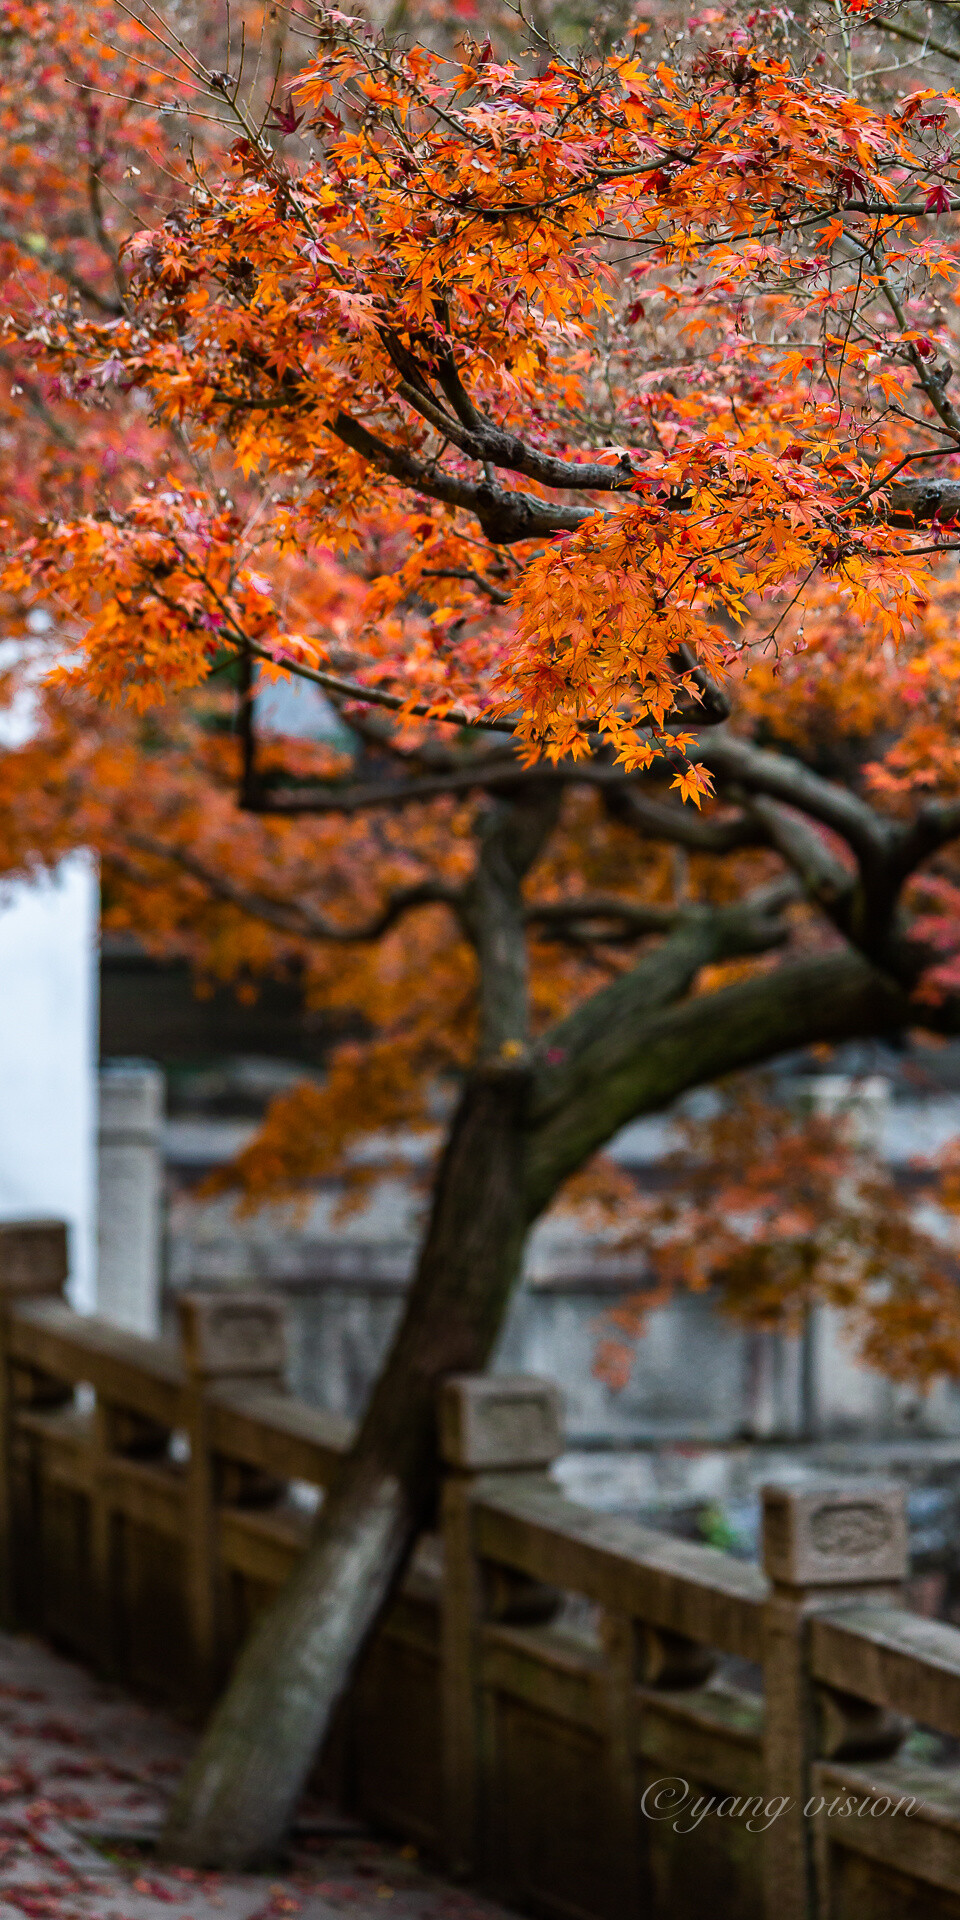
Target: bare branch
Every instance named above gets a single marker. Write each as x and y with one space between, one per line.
631 920
511 836
40 252
924 40
489 444
297 919
375 730
923 502
37 403
682 826
479 580
492 771
825 878
714 705
936 823
375 696
583 1054
868 834
502 773
505 517
638 1051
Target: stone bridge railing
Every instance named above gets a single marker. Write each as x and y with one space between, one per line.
588 1717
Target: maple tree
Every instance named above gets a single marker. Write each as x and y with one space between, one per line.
581 425
781 1207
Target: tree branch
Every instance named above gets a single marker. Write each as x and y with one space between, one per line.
505 517
373 696
500 773
580 1050
825 879
682 826
36 401
511 837
492 772
375 730
45 255
924 40
935 824
301 921
491 445
919 503
634 921
714 705
643 1059
867 833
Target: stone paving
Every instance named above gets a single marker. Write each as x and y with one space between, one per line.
85 1773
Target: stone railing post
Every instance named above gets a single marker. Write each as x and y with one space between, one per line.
129 1180
488 1425
226 1338
823 1545
33 1262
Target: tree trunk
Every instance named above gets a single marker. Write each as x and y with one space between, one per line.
239 1794
521 1128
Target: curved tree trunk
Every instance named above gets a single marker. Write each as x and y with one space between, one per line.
518 1132
239 1794
237 1798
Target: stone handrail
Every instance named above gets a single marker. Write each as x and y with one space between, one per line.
892 1658
587 1716
673 1584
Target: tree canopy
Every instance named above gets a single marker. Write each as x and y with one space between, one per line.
581 424
678 294
582 398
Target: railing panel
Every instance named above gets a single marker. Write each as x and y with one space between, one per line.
709 1735
865 1889
149 1497
894 1659
150 1637
548 1815
269 1430
394 1752
887 1864
539 1670
263 1547
120 1366
65 1441
63 1599
695 1591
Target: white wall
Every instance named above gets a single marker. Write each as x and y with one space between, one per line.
48 1045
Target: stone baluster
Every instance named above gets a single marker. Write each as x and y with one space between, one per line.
488 1425
823 1546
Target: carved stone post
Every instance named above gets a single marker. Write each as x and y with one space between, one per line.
130 1177
822 1545
489 1425
33 1262
225 1337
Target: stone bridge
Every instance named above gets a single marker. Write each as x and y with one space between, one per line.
588 1718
